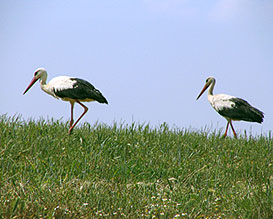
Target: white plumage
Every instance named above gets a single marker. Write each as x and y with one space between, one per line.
221 101
59 83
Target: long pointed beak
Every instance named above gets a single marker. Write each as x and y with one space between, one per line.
31 84
202 91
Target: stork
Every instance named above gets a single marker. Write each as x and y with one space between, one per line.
230 107
70 89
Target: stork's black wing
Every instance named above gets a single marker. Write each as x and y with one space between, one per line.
242 110
81 90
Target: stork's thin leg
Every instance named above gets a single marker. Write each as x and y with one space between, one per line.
225 135
72 120
85 111
233 130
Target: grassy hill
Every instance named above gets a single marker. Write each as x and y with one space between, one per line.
131 171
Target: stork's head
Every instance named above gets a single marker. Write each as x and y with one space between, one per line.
209 81
41 74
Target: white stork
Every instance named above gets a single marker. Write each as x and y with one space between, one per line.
70 89
230 107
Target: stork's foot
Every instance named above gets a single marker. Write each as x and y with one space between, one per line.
224 136
70 130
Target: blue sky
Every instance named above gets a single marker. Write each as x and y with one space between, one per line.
150 58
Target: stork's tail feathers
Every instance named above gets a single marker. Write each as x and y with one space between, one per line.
256 115
99 97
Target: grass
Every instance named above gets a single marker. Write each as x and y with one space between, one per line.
131 171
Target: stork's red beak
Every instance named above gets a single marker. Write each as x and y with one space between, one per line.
203 90
31 84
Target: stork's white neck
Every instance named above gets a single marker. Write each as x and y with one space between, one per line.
43 82
210 91
43 78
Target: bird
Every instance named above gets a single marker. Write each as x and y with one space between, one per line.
230 107
73 90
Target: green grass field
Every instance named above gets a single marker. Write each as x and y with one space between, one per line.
131 171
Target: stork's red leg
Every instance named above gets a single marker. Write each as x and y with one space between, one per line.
85 111
225 135
72 120
233 130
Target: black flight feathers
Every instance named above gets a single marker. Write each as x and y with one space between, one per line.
242 110
81 90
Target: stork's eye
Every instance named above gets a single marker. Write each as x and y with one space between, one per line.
35 74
